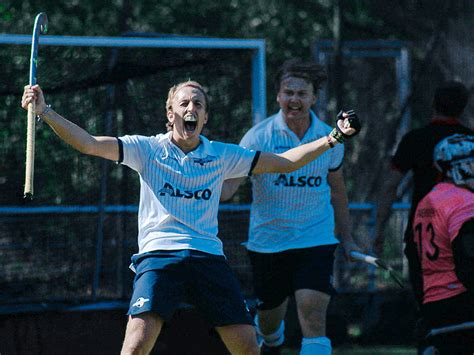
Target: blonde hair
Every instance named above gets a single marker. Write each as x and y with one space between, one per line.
172 93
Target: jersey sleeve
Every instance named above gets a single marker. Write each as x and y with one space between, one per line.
135 151
250 140
239 161
337 157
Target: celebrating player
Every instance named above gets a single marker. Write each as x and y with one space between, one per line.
443 232
292 239
180 259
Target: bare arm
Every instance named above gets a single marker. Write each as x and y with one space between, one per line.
347 125
384 207
72 134
292 159
342 217
229 188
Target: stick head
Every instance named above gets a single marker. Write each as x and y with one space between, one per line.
41 22
391 272
378 263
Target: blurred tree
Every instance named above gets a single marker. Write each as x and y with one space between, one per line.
441 46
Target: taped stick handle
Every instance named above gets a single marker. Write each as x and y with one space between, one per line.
40 27
364 258
30 151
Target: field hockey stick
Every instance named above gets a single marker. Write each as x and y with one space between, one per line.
450 329
40 27
377 263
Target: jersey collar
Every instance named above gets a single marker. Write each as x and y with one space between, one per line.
204 149
281 124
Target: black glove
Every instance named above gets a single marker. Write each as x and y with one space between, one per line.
354 123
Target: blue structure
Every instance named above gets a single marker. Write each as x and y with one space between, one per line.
256 45
398 50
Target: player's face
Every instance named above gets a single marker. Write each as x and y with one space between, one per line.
296 96
188 115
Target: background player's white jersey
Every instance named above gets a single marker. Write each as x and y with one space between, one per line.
291 210
179 193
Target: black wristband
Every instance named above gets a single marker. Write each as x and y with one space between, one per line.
337 134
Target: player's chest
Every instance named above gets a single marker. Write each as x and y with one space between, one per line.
189 166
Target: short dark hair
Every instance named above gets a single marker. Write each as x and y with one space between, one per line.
451 98
310 71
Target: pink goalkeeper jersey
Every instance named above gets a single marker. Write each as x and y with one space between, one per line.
438 218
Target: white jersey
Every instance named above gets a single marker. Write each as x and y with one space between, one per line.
179 193
293 210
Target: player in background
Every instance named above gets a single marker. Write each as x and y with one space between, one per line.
180 258
443 233
293 216
415 153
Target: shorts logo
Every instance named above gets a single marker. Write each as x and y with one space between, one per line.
170 190
140 302
311 181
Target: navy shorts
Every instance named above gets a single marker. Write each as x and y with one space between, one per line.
278 275
166 280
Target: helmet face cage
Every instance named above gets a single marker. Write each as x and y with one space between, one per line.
454 157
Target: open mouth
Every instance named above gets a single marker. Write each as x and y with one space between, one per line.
190 123
294 108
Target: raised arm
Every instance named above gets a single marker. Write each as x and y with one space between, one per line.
347 125
72 134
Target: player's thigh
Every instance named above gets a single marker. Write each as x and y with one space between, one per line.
142 331
160 283
239 338
157 291
216 292
272 280
314 269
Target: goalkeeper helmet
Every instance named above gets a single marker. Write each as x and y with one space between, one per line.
454 157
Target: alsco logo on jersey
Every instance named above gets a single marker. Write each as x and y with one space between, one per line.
170 190
301 181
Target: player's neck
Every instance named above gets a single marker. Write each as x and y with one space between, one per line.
299 126
185 145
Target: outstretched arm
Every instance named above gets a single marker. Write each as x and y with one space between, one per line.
72 134
347 125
